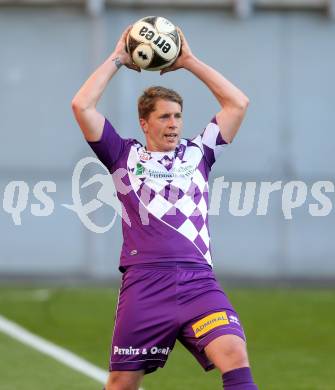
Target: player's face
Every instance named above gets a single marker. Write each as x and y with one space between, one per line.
163 126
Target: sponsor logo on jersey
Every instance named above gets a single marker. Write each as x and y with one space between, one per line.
183 171
126 351
157 350
234 319
141 351
210 322
139 169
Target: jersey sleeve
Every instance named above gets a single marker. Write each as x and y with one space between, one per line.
210 142
110 147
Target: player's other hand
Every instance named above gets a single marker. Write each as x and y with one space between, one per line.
185 55
121 51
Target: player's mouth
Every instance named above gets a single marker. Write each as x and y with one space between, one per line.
171 136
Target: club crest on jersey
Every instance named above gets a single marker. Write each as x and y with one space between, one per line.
144 156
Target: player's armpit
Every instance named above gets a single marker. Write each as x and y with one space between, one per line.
229 120
90 121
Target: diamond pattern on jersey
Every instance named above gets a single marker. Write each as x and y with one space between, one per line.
207 136
174 218
147 194
159 206
172 193
175 188
188 230
199 242
210 142
167 162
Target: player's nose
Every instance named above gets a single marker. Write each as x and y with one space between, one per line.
172 122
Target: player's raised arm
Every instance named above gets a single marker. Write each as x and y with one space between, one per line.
233 102
85 101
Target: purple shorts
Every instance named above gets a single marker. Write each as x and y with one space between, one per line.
161 303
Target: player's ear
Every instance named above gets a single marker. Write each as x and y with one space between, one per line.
144 125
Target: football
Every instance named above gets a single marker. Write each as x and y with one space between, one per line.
153 43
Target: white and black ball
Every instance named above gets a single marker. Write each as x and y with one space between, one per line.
153 43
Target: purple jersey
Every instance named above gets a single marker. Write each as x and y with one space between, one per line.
164 195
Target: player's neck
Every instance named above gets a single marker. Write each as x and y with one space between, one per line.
157 150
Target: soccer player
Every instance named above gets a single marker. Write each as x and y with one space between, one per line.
168 289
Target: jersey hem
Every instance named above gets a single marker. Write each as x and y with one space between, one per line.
123 266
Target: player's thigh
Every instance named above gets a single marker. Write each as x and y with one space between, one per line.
124 380
227 352
145 327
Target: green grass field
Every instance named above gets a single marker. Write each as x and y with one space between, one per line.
290 334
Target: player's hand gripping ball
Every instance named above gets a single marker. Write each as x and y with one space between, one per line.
153 43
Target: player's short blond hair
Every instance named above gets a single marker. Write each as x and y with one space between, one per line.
147 101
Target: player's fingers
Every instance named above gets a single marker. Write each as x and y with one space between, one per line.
133 67
165 70
182 37
168 69
130 67
123 35
180 51
126 31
